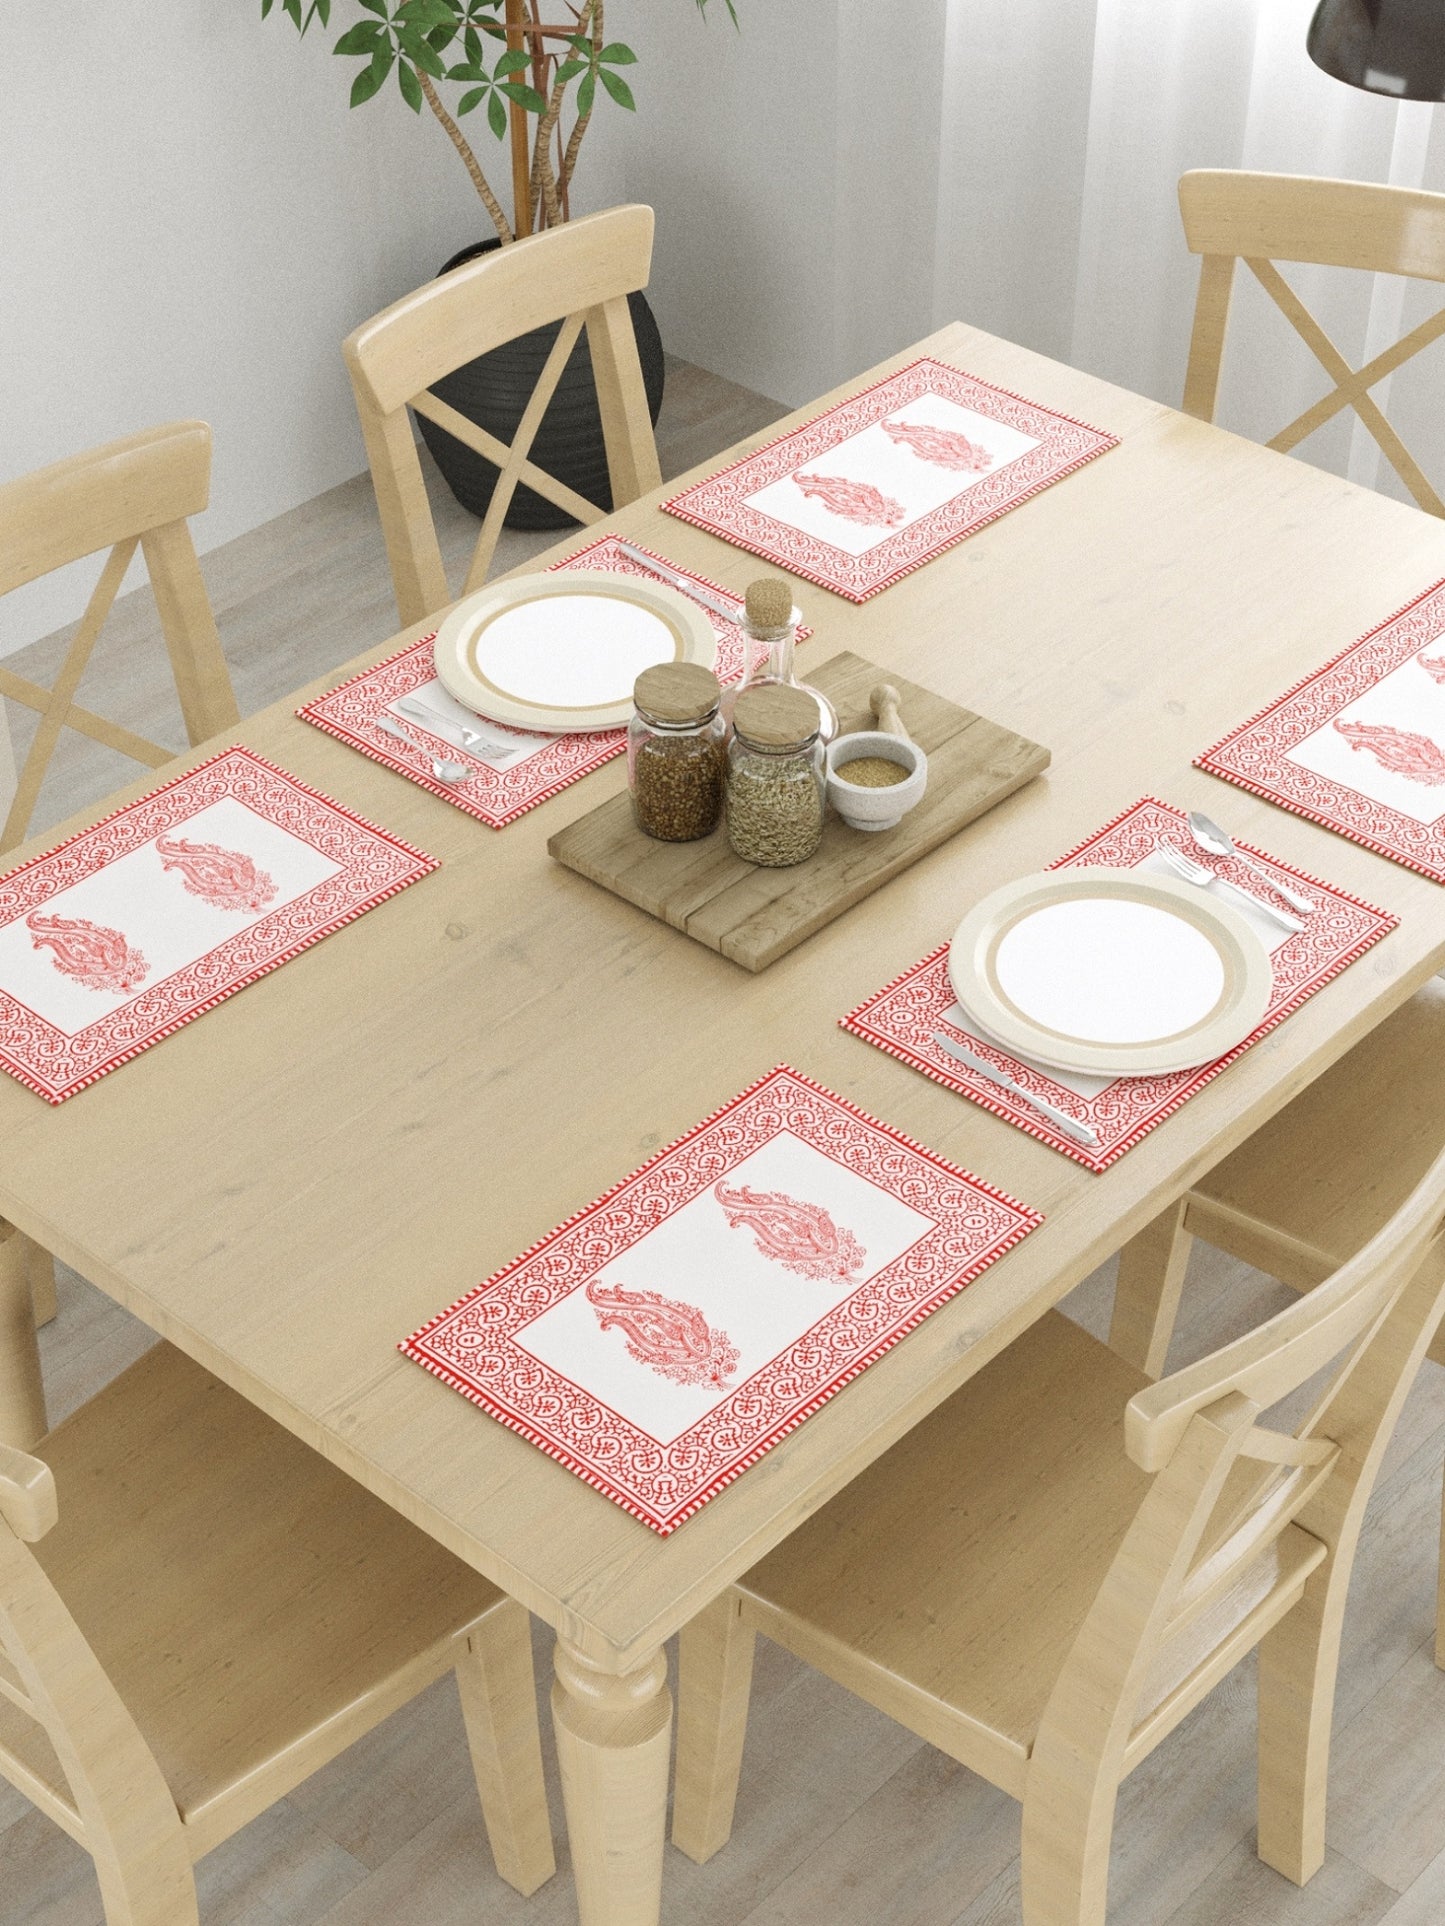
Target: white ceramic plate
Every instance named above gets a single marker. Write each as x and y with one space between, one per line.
1110 972
560 653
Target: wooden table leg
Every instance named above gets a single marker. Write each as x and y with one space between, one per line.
22 1395
614 1740
42 1282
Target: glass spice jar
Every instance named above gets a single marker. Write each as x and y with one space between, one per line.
775 781
677 752
770 634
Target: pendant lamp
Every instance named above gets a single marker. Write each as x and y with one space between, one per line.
1394 47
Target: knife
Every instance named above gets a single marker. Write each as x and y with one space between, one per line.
1081 1133
460 735
729 610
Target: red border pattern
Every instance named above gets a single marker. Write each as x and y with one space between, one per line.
902 1017
472 1345
718 503
373 866
1255 756
497 797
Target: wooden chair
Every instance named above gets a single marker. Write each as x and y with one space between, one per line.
217 1613
579 274
1048 1573
135 493
1264 218
1308 1190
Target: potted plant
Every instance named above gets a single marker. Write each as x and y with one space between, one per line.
536 84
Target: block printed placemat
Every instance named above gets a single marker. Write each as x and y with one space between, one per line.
903 1017
114 939
499 790
888 479
1359 746
664 1338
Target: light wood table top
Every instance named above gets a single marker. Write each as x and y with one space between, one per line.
291 1184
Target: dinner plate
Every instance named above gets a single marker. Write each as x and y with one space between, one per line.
560 652
1111 972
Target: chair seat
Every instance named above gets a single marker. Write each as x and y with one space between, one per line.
1313 1186
949 1582
241 1592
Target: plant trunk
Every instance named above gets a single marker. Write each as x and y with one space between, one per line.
469 159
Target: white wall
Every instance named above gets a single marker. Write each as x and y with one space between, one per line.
191 219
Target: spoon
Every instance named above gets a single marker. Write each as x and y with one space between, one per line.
1212 839
443 768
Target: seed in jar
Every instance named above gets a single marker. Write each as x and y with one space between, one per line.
871 772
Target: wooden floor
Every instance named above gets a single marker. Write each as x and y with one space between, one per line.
844 1819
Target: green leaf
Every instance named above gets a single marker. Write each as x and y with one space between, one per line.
586 94
527 97
410 86
472 41
318 10
469 100
369 80
513 62
265 7
427 13
440 37
419 50
467 71
293 7
617 87
496 116
616 55
364 38
374 6
569 70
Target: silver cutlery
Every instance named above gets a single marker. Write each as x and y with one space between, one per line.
441 766
1189 871
1081 1133
724 606
1216 842
460 735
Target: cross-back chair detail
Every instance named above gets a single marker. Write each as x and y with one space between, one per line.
263 1612
131 494
1229 1533
1264 218
581 275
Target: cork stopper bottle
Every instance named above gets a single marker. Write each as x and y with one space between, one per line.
770 625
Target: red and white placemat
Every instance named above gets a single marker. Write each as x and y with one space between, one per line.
660 1341
903 1017
499 789
888 479
1359 746
114 939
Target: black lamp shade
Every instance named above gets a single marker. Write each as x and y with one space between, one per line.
1394 47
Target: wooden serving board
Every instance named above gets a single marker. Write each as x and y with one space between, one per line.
754 916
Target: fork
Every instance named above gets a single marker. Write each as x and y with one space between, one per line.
460 734
1191 872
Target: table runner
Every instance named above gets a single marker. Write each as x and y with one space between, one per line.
885 481
902 1017
497 792
117 937
664 1338
1359 746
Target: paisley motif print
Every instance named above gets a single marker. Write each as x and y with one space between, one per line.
671 1338
98 957
855 501
944 447
1420 758
225 878
1435 667
801 1237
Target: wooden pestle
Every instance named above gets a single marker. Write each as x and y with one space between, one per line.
884 702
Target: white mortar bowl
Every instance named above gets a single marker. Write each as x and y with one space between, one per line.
873 809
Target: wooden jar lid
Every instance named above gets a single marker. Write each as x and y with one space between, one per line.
769 603
677 692
776 717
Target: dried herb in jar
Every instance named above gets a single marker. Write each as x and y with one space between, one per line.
775 781
676 752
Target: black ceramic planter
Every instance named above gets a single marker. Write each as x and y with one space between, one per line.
493 391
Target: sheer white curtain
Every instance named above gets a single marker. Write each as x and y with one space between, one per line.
1064 129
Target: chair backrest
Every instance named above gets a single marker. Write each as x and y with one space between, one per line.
58 1709
128 494
579 274
1264 218
1210 1555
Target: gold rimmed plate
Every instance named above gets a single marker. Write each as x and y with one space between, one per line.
560 652
1110 972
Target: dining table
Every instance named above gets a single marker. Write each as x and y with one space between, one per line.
290 1186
